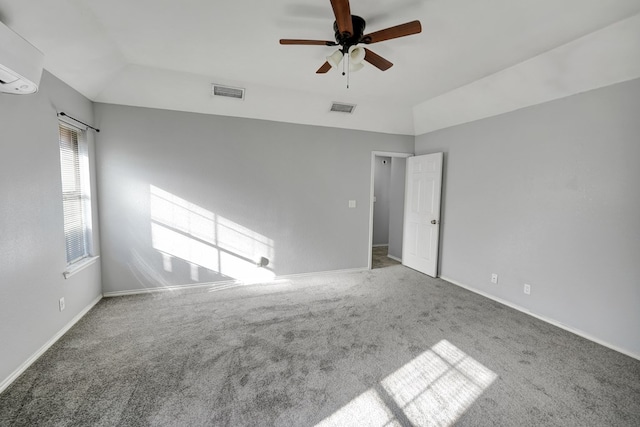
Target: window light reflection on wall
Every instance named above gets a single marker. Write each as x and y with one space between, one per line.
185 231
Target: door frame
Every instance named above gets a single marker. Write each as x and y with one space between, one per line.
375 154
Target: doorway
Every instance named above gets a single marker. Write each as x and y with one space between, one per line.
386 218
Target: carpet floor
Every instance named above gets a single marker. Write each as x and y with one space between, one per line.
379 258
387 347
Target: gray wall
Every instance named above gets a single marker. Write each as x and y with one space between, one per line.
240 189
396 205
549 196
381 184
32 243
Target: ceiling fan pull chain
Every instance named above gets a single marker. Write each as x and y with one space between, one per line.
345 64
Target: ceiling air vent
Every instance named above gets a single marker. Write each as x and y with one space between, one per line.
227 91
339 107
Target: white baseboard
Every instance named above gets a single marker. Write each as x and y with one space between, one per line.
544 319
225 283
167 288
322 273
394 258
11 378
379 245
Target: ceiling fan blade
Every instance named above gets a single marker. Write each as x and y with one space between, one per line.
325 67
342 12
407 29
308 42
377 60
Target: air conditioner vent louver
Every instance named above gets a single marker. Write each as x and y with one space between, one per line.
227 91
339 107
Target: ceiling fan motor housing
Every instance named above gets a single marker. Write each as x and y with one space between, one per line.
351 40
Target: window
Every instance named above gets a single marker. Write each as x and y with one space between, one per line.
76 195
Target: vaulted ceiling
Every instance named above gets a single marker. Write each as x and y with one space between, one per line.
473 59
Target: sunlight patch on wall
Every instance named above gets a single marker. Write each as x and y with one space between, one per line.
434 389
145 272
185 231
173 244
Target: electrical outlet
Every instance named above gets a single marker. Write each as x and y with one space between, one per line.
61 304
527 289
494 278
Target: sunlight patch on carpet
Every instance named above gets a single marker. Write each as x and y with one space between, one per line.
366 410
434 389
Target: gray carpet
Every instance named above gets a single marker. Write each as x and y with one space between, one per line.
387 347
379 258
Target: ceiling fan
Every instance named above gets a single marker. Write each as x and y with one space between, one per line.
349 32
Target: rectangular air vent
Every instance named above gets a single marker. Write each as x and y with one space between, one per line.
227 91
340 107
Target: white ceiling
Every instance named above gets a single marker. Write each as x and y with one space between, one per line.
474 58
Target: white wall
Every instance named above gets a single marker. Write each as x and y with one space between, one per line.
381 184
32 243
241 189
396 205
548 196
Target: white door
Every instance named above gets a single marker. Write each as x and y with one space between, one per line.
422 213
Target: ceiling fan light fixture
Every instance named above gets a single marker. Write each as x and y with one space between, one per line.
356 67
349 32
356 54
335 58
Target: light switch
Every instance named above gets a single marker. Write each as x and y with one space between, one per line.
352 203
374 199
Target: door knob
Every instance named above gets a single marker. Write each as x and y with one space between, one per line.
433 221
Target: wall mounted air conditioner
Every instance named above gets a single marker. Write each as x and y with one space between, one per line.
20 63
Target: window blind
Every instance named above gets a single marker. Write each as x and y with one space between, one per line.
73 197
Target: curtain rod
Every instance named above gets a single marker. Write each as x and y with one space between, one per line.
72 118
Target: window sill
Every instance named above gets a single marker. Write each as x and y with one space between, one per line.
79 266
